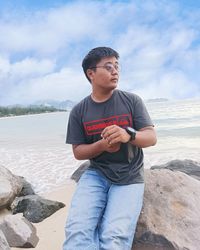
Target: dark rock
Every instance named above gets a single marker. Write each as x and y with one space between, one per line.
170 218
153 242
26 188
19 232
3 242
77 174
189 167
35 208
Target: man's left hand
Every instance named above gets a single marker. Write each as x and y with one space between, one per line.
114 134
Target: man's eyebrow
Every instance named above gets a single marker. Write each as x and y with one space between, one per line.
112 63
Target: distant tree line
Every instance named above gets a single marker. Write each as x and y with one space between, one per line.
17 110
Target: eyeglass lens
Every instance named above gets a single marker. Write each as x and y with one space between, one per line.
110 67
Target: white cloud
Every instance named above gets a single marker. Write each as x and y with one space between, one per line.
26 67
32 67
4 66
42 51
15 76
60 85
176 85
47 32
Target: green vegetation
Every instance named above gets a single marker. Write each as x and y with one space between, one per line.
18 110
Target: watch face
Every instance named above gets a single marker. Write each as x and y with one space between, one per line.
131 130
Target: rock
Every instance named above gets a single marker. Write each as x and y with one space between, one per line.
81 169
10 187
35 208
189 167
26 188
3 242
170 218
18 231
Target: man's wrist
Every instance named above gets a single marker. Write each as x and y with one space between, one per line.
102 144
132 132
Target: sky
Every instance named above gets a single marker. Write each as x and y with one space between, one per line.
43 43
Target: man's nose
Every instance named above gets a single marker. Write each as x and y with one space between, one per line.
115 71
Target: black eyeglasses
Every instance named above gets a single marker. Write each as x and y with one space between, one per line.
109 67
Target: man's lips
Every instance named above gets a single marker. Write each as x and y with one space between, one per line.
114 79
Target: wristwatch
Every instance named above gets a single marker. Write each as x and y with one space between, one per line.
131 132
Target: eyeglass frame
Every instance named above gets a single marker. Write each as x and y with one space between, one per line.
109 67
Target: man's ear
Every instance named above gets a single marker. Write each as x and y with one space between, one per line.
90 74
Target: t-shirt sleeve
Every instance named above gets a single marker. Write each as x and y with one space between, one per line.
75 130
141 117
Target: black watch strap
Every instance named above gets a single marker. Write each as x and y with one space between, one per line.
131 132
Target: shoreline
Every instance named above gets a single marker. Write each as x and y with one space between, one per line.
14 116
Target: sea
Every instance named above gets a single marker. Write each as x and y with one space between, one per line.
34 146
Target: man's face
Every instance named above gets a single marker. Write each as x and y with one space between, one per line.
106 74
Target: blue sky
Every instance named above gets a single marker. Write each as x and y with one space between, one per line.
42 44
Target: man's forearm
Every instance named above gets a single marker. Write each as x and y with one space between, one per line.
145 138
88 151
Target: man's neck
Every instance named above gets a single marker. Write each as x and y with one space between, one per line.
101 96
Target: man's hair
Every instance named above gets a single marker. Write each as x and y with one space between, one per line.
95 55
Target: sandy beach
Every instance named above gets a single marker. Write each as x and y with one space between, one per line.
51 230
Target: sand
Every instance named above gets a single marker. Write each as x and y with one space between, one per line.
51 230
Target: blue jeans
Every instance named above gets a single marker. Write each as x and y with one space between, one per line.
103 216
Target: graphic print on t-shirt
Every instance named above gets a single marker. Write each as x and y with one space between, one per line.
97 126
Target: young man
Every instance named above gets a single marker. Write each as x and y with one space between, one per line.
109 127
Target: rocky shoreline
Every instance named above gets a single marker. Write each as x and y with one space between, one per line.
17 195
169 220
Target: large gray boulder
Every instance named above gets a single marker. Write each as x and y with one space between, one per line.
10 186
189 167
170 218
19 232
35 208
3 242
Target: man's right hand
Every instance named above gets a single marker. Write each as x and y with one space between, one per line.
89 151
111 148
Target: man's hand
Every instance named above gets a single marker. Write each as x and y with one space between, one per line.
115 134
111 148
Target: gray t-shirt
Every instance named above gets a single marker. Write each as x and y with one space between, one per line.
88 119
